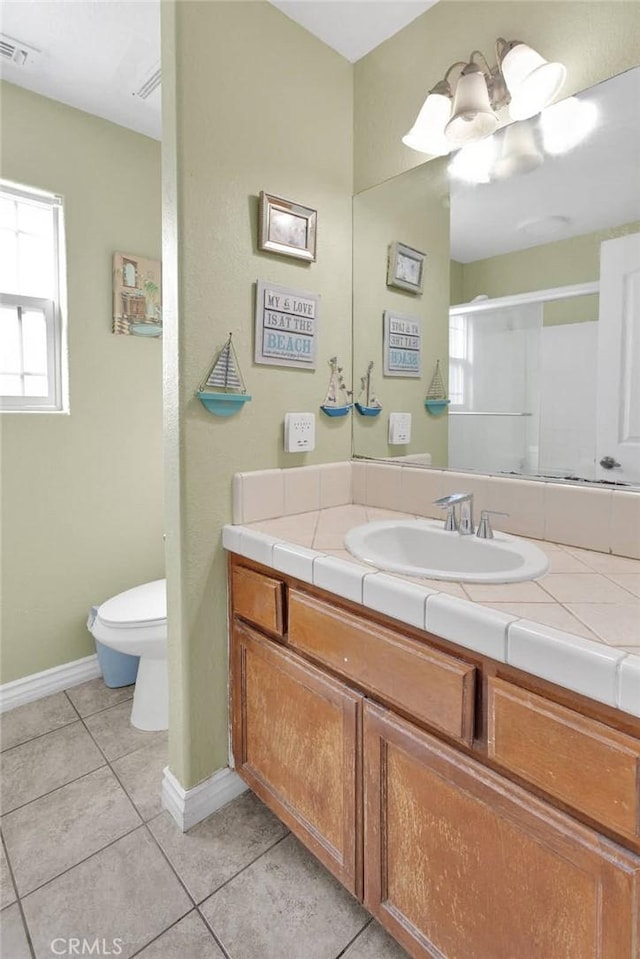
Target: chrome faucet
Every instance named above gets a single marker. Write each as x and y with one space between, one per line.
484 529
465 523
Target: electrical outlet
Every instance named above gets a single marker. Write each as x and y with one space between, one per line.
299 432
399 429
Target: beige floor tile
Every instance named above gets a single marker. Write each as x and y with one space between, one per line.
7 892
93 696
584 588
216 849
126 892
375 943
43 716
284 905
53 833
616 625
188 939
46 763
13 939
114 734
141 776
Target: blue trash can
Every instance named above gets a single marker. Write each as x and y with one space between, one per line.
118 669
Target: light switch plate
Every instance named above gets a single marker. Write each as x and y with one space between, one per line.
399 429
299 432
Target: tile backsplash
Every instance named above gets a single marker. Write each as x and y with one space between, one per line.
604 520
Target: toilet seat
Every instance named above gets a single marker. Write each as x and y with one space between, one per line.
144 605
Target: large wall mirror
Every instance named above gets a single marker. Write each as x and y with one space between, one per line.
530 299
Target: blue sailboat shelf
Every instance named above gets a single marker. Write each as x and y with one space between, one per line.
436 406
223 404
337 401
368 410
223 392
337 410
368 404
436 401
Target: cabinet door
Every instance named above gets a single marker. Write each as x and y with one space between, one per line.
461 864
295 742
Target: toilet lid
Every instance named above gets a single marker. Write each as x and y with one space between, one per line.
141 606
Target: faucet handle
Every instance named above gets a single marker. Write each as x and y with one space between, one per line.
484 527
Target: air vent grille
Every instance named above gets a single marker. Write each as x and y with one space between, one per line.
149 85
16 52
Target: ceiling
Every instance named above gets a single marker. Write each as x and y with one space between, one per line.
95 54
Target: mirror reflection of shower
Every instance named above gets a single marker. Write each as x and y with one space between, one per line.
522 403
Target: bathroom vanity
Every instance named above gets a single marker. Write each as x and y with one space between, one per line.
477 810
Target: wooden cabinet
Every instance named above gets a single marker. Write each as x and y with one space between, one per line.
430 685
461 863
295 742
478 847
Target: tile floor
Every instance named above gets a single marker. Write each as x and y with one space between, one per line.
88 853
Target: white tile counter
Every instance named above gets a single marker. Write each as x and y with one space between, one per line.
577 626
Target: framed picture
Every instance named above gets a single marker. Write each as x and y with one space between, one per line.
286 326
402 349
405 268
137 295
286 227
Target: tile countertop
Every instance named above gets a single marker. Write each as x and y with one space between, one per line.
577 626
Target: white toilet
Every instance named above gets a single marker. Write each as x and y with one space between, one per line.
135 622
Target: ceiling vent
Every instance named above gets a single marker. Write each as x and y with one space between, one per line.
16 52
150 84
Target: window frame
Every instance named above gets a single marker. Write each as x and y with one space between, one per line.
55 401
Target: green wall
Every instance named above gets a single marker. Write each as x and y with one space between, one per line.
252 102
82 493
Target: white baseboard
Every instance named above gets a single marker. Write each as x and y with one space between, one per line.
191 806
49 681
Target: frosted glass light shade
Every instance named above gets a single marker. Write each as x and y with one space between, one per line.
427 133
532 82
519 153
473 118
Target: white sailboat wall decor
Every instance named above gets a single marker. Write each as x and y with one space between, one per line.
337 402
222 392
436 401
368 404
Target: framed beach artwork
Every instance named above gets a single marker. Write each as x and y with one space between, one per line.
405 268
287 227
137 295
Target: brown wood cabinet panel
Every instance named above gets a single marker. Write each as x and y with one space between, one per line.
434 687
296 743
258 598
578 760
460 863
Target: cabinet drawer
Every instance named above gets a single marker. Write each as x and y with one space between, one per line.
259 599
429 685
590 766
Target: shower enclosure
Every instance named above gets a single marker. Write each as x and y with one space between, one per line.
522 374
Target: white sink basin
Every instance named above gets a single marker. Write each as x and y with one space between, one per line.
424 548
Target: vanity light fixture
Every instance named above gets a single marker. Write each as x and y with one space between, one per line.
452 117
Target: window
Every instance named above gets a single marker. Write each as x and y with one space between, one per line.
31 283
460 361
